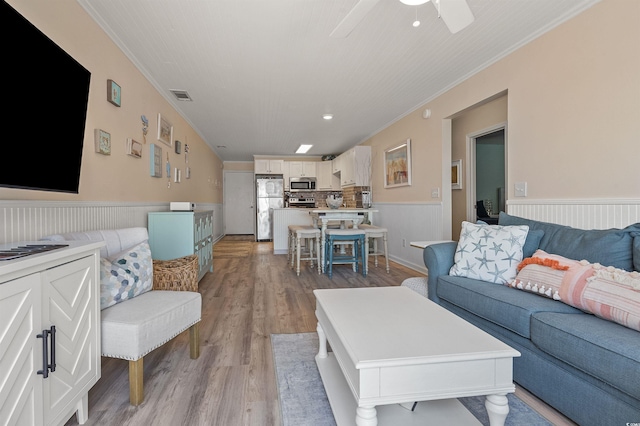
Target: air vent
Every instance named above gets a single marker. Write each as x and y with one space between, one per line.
181 95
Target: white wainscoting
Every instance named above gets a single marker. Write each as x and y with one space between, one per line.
409 222
583 214
31 220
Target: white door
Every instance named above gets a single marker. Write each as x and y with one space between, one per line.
239 202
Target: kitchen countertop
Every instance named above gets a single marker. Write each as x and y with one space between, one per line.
343 210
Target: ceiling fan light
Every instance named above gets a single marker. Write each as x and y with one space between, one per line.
413 2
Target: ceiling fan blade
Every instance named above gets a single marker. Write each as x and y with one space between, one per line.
353 18
455 14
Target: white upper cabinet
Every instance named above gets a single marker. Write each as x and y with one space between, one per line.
302 169
355 166
268 167
327 181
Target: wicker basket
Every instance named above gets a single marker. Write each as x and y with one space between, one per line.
176 274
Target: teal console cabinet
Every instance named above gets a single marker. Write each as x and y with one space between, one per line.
178 234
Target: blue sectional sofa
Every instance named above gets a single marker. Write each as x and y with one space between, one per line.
586 367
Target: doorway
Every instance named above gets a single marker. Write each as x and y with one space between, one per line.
487 176
239 203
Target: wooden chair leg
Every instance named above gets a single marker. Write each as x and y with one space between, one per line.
319 254
136 385
194 340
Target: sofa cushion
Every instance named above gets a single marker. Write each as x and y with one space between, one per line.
603 349
498 303
532 243
126 276
636 251
611 247
489 252
133 329
116 240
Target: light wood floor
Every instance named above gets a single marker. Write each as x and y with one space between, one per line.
250 295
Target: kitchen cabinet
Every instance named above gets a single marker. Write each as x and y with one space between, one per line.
177 234
302 169
355 166
282 218
335 164
286 174
268 167
49 334
326 180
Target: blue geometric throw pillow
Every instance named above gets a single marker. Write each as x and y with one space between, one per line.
128 275
489 252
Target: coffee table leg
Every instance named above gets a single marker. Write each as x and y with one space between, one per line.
322 338
497 408
366 416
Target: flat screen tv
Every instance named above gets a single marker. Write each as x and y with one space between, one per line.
45 94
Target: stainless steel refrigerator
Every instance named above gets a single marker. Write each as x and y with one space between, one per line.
270 195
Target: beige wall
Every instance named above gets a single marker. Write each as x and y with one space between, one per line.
119 177
573 108
244 166
471 121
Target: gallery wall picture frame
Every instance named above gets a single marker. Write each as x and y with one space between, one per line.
102 142
178 147
456 174
397 165
133 148
114 93
165 130
155 160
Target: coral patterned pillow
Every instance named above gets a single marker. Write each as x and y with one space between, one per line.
607 292
542 274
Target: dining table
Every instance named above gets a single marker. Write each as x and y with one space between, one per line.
322 216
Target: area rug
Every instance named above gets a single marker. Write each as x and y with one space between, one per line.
303 401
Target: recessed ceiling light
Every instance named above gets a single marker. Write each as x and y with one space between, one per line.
303 149
327 116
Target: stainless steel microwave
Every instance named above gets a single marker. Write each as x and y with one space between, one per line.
302 184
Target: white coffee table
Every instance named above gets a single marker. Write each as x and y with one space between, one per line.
392 346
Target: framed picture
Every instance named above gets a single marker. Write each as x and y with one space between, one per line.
178 147
155 156
102 141
133 148
456 174
397 165
165 131
113 92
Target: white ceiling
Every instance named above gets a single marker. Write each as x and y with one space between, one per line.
262 72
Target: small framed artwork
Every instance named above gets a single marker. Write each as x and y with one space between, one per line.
102 142
134 148
187 173
155 158
165 131
178 146
397 165
456 174
113 92
177 175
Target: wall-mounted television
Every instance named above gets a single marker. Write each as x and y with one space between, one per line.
45 95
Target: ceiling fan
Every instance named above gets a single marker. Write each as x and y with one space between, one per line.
455 14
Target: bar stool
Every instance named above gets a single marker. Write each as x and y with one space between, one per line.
354 237
310 235
376 232
291 243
